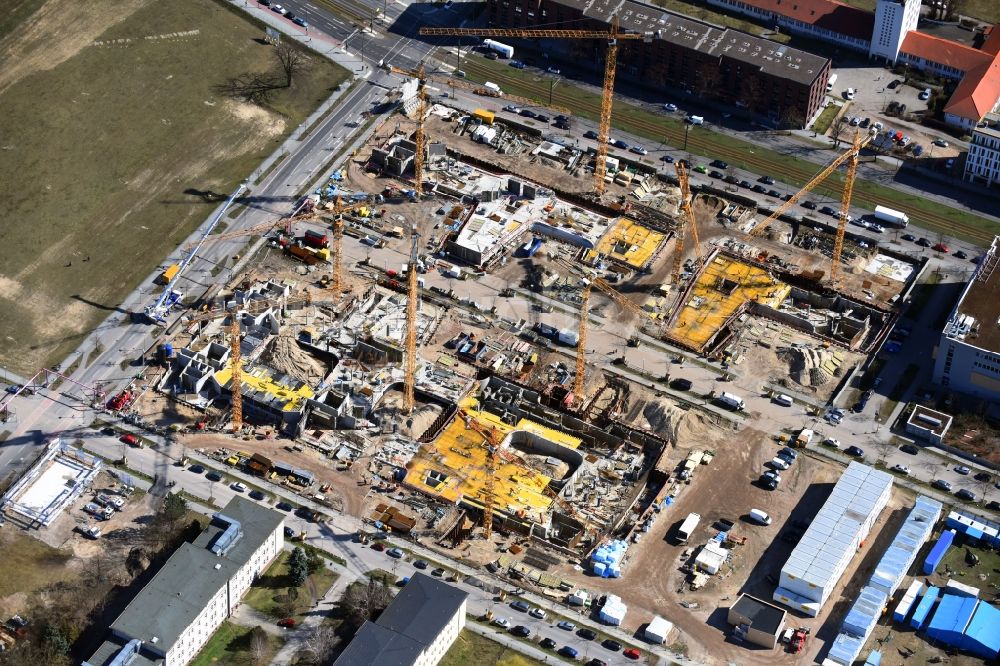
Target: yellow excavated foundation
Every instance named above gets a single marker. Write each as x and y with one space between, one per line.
454 467
721 289
631 243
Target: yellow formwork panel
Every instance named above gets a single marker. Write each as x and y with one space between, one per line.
259 380
630 242
722 288
454 467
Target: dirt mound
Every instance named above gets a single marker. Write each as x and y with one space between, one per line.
812 366
286 356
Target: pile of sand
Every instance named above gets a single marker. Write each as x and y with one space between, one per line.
286 356
811 366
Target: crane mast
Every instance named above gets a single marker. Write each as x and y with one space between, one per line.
610 63
410 367
845 206
236 361
581 343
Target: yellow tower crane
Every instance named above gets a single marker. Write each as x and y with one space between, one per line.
491 442
845 206
581 347
235 353
688 225
418 135
610 62
413 295
851 156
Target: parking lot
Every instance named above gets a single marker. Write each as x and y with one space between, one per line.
872 97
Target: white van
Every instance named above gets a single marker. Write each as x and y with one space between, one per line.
831 83
759 517
696 120
783 400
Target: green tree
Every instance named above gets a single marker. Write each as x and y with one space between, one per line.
174 507
298 567
55 640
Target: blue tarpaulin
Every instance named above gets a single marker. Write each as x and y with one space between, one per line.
924 608
874 658
938 552
982 636
950 619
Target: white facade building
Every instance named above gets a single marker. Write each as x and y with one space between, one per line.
417 628
893 20
174 615
968 355
982 165
827 548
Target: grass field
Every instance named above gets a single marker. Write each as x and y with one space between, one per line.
231 644
659 128
113 132
30 565
471 648
266 596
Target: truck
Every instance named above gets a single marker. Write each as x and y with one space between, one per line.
454 272
804 438
169 274
494 88
730 401
308 255
315 239
502 49
568 337
484 116
688 527
890 216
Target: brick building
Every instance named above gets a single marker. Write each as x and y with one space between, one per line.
776 81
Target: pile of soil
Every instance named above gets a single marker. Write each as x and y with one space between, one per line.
287 357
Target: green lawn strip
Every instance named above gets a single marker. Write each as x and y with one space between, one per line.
825 118
530 640
232 644
738 153
473 648
269 594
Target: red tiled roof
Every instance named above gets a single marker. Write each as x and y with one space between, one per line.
827 14
944 52
992 43
977 93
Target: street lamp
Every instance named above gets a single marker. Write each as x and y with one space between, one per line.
687 129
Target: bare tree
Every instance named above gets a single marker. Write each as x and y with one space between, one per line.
791 118
708 79
291 60
883 446
250 87
364 602
260 647
319 646
837 131
983 483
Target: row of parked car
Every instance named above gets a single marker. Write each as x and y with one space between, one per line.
548 643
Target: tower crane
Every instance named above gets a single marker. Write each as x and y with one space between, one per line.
688 225
235 353
418 135
581 346
413 295
851 156
610 62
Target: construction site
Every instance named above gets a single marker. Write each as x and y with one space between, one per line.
477 336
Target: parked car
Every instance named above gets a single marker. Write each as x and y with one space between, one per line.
668 159
849 93
909 237
961 254
759 189
537 612
902 469
632 653
439 572
590 134
287 623
568 651
909 448
832 442
587 634
941 484
298 20
788 452
566 625
681 384
855 451
767 180
519 605
774 193
962 469
553 70
611 644
827 210
395 552
516 64
420 564
923 242
283 506
779 463
527 113
239 487
213 476
278 8
715 174
809 204
966 495
941 143
378 546
669 107
130 439
502 622
547 643
521 631
746 184
257 495
924 94
719 164
618 143
639 150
